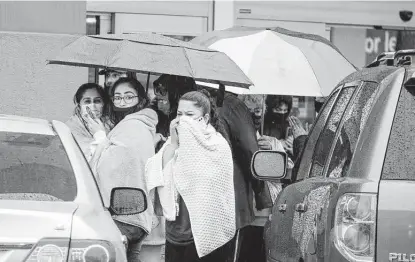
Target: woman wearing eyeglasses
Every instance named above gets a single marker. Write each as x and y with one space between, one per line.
120 160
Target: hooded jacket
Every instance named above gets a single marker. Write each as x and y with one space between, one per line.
82 136
120 161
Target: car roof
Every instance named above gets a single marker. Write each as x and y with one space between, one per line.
372 74
20 124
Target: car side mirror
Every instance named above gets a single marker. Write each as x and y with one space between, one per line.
269 165
127 201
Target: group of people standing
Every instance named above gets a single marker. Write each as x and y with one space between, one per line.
190 157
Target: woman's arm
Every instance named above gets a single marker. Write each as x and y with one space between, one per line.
168 154
170 150
99 137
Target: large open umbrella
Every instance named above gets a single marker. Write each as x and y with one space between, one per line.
149 52
280 61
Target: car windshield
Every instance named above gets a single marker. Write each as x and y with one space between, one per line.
35 167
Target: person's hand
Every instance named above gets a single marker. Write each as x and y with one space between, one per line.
307 128
174 136
297 127
288 144
264 143
158 138
94 125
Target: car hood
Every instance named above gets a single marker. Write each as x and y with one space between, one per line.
24 223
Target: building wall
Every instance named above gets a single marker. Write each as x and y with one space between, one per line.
167 17
29 86
32 32
180 19
164 24
224 15
351 41
353 26
61 17
175 8
349 25
381 13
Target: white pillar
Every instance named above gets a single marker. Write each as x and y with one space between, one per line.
105 28
105 24
224 14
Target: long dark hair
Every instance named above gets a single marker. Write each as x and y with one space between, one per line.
88 86
176 86
275 101
80 94
85 87
203 100
279 128
143 100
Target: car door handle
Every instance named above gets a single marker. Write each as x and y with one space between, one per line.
282 208
301 208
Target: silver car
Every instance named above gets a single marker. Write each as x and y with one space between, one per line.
50 206
352 198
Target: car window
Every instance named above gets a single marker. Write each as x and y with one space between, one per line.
307 153
353 124
400 155
324 142
35 167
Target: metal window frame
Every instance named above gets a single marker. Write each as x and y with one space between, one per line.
343 120
356 86
349 106
335 93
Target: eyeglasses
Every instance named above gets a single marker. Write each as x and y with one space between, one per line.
160 90
127 99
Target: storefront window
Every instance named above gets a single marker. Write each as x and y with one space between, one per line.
362 45
303 108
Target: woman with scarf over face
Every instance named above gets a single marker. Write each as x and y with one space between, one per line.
88 124
193 177
120 160
276 120
253 247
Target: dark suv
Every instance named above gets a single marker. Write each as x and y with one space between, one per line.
353 197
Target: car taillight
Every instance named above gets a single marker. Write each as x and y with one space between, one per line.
57 250
355 226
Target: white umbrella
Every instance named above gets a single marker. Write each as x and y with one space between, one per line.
281 62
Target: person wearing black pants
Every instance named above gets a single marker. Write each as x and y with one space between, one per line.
187 252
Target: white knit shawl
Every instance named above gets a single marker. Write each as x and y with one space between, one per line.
203 175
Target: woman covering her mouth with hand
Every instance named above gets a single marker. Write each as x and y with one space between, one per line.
193 177
88 124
